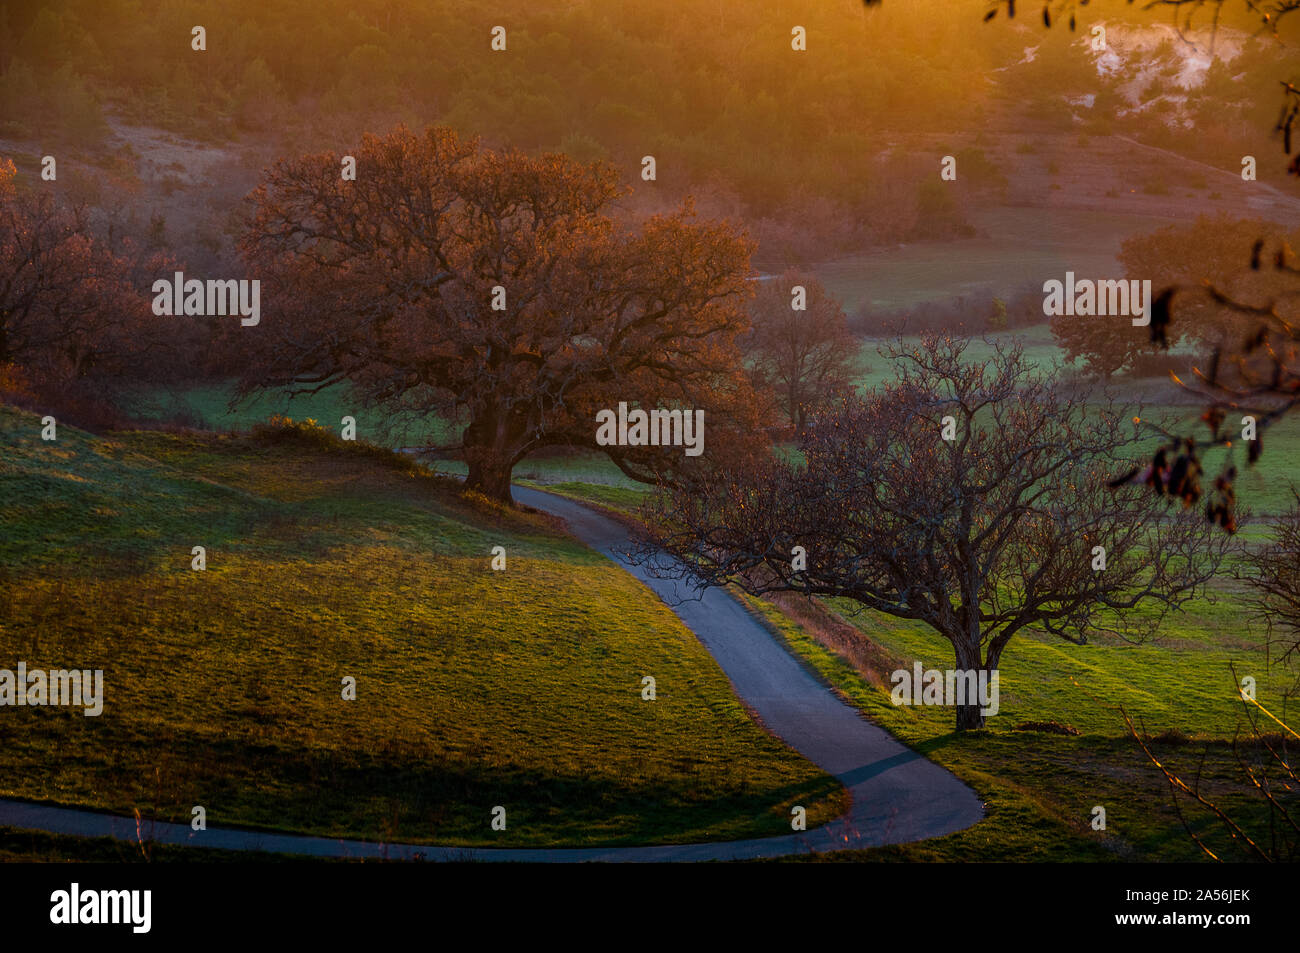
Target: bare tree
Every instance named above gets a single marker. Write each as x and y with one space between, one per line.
800 344
967 495
1273 571
1266 362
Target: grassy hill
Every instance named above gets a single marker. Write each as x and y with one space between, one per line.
475 688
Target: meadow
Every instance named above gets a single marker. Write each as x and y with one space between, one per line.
474 688
1040 787
333 557
1014 247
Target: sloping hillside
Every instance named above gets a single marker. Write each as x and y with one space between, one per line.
474 688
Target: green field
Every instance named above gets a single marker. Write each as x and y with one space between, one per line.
1179 680
213 407
1040 788
876 369
328 559
1016 247
1263 490
475 688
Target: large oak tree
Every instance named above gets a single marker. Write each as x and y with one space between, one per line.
497 289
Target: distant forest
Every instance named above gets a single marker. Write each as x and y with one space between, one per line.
819 138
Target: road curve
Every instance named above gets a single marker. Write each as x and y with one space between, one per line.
897 795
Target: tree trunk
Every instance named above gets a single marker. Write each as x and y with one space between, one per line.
491 478
491 452
969 717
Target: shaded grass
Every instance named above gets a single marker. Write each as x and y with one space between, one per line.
1264 489
210 407
621 499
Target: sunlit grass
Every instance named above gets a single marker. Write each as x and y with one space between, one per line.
1040 788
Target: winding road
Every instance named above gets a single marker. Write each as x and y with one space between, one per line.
897 795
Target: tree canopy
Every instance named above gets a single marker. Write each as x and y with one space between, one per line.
496 289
